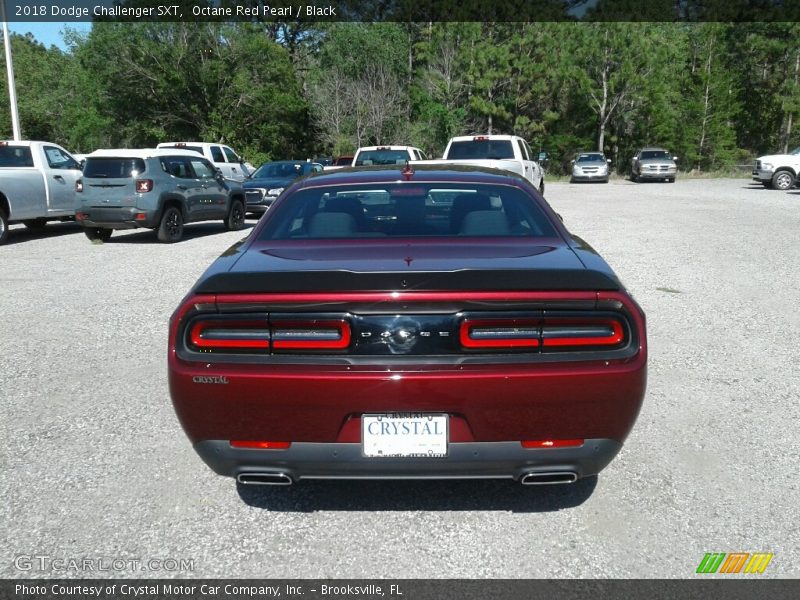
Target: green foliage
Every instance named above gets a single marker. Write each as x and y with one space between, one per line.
714 93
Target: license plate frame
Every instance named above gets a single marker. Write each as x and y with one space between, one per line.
393 440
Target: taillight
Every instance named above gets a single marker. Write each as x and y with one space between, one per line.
310 335
574 443
581 332
480 138
543 333
79 185
499 333
257 445
262 335
144 185
81 216
230 335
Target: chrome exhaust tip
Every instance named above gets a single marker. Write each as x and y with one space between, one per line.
264 479
548 477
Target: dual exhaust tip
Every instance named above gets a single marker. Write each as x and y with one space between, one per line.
530 478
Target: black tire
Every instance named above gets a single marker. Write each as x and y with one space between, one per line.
783 180
36 225
3 227
671 180
170 229
541 187
235 219
98 234
634 178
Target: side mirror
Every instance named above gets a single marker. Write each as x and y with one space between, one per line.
218 173
608 160
674 158
572 161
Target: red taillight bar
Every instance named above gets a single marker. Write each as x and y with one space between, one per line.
256 445
499 333
230 334
581 332
311 335
552 443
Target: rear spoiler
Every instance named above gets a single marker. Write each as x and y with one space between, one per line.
464 279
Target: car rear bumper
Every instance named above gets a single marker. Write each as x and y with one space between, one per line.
475 460
116 217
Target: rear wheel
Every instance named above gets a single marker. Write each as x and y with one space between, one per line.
235 218
633 177
782 180
170 230
3 227
98 234
36 225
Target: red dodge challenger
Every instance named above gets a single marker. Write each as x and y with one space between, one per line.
408 322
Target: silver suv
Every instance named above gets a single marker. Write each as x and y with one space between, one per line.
654 163
155 189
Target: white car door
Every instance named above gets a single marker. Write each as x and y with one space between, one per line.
218 158
530 167
61 172
238 171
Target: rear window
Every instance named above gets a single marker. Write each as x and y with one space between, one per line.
15 156
408 210
481 149
343 161
113 168
381 157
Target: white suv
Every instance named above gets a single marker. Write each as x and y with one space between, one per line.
222 156
777 171
386 155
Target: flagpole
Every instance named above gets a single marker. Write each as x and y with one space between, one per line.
12 88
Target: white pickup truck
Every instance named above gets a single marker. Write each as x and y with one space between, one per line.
778 171
224 158
37 184
505 152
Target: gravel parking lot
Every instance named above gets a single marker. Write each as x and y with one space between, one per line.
95 465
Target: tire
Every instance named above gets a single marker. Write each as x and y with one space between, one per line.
783 180
170 229
671 180
36 225
541 186
634 178
3 227
98 234
235 219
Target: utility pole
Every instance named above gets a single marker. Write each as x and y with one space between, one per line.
12 88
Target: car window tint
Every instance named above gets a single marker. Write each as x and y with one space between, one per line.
113 168
202 169
178 167
481 150
413 210
382 157
216 154
16 156
230 155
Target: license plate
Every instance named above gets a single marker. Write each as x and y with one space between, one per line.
404 435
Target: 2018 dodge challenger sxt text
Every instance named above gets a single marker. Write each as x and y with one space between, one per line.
395 323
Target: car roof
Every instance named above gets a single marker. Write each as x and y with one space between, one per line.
387 147
468 138
421 173
648 148
138 153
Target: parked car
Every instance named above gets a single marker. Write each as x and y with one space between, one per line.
778 171
590 166
505 152
365 329
37 184
269 181
222 156
158 189
654 163
386 155
340 162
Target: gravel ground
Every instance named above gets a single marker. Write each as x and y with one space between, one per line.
95 465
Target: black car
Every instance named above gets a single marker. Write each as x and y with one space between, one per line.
270 179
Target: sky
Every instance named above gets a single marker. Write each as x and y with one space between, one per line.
48 33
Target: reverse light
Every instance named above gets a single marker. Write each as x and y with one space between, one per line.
499 333
144 185
258 445
581 332
573 443
311 335
230 335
